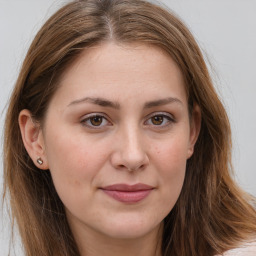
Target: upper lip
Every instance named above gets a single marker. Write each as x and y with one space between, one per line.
127 187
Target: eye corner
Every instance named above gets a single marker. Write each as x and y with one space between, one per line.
163 120
96 121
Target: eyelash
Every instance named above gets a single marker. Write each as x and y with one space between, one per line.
167 119
89 117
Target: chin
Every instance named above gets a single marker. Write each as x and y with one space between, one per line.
131 229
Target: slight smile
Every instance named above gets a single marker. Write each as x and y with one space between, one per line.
128 193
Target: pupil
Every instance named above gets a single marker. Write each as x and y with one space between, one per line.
157 120
96 121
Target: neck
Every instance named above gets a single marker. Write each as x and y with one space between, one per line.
93 244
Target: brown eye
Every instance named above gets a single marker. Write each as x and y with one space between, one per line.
96 120
160 120
157 120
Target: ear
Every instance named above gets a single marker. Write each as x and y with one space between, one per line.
33 140
195 125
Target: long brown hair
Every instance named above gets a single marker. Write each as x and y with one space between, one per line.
211 215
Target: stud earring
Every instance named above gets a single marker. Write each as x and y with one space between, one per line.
39 160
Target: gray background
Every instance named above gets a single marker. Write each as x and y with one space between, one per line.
226 32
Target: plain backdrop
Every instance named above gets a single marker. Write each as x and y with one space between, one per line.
226 33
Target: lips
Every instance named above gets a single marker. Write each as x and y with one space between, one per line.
128 193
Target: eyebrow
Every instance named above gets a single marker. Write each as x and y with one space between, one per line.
107 103
162 102
97 101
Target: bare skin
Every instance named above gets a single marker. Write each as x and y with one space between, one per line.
120 116
149 245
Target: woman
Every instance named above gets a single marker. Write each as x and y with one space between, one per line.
122 146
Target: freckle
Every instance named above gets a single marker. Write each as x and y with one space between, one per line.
157 150
76 182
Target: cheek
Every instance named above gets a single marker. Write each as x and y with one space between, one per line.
171 167
73 162
172 156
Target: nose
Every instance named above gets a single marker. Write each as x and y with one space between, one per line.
129 153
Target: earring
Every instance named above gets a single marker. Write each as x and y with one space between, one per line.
39 160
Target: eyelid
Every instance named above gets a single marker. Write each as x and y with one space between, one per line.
160 113
167 115
94 114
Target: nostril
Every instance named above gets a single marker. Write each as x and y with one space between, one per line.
131 168
129 157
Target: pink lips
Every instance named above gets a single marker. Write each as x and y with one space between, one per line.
128 193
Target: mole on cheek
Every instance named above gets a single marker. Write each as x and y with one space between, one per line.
157 150
75 182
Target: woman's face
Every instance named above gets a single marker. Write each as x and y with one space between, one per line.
116 139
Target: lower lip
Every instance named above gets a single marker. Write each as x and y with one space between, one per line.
128 196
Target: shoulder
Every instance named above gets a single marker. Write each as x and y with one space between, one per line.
248 249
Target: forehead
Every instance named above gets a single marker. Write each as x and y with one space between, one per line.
119 70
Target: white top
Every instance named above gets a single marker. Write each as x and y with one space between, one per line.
248 249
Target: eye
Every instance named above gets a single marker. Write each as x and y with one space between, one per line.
157 120
95 121
160 119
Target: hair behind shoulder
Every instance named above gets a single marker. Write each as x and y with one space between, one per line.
211 215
